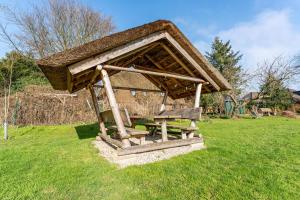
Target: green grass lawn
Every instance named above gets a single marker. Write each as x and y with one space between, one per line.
244 159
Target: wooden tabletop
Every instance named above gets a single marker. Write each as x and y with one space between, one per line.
137 117
167 117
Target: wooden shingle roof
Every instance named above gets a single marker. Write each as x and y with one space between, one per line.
167 49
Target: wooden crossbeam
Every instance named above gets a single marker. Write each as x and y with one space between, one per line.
155 73
130 88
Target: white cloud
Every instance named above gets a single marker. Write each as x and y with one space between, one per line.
269 34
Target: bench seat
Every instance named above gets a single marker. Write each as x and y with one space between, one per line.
186 128
139 134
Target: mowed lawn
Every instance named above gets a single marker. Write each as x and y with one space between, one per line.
244 159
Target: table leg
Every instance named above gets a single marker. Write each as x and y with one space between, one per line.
164 132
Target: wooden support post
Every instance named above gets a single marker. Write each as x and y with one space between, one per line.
196 105
142 140
96 106
114 107
163 104
183 134
164 132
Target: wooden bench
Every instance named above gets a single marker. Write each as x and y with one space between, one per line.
108 118
265 111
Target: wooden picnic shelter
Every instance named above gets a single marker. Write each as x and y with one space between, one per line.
163 55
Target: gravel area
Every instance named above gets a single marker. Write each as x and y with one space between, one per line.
110 154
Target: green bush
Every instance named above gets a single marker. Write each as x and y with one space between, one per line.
24 72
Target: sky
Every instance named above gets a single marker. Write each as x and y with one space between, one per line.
259 29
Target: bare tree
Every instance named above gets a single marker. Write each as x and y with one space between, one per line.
280 69
273 78
53 26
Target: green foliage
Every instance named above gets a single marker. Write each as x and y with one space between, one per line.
226 60
275 94
24 72
244 159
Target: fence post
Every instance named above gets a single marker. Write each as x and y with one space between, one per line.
5 126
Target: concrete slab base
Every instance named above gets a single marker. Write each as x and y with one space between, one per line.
110 153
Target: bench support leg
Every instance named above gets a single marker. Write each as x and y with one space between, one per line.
115 108
183 135
142 140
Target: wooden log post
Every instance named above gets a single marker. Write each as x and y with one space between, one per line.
163 104
196 105
164 131
114 107
96 106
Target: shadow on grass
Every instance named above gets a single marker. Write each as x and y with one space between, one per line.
87 131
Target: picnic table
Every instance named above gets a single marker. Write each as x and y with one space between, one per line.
161 122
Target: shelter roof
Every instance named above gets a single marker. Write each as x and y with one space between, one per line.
159 45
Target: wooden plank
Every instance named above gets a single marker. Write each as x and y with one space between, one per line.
186 128
154 73
108 117
132 132
109 55
109 140
131 88
161 116
159 146
192 61
183 113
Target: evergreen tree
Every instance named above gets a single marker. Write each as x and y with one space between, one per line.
224 59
